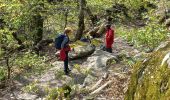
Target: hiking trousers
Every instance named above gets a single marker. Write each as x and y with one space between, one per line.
66 63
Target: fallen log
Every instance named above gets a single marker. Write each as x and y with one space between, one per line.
98 82
97 31
101 88
41 44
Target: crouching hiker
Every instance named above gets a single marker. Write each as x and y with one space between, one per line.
62 43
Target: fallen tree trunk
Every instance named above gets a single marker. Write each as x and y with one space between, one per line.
102 87
98 82
97 31
41 44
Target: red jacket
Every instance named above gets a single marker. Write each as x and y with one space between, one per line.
109 38
63 54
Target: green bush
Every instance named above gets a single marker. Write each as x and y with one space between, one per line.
2 74
148 37
31 62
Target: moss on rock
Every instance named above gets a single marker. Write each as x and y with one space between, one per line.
150 80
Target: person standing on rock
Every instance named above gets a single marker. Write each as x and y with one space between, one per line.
109 38
62 43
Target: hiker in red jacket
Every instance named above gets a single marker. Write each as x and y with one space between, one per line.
109 38
65 48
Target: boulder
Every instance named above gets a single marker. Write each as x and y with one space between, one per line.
97 63
81 51
100 59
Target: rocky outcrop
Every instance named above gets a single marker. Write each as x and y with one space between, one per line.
98 63
151 77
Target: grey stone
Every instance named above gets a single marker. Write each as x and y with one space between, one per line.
81 51
26 96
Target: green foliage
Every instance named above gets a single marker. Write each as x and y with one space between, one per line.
96 42
99 6
2 74
148 37
31 88
78 67
152 35
52 94
31 62
7 39
87 71
59 93
59 74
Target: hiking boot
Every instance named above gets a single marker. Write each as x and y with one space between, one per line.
67 74
69 70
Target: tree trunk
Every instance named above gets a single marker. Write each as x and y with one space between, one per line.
38 28
38 23
8 67
1 23
14 34
93 18
81 26
66 15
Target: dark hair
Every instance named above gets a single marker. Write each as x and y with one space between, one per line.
108 25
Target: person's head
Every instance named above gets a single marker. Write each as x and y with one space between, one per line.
67 30
108 26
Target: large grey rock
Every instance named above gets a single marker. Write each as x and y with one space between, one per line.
81 51
97 63
100 59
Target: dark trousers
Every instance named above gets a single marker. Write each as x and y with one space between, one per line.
66 63
109 50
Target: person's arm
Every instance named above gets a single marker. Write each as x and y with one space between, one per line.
64 42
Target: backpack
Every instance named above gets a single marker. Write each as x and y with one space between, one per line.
58 40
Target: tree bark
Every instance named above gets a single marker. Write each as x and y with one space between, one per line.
81 25
14 34
38 28
1 23
9 68
93 18
66 15
43 43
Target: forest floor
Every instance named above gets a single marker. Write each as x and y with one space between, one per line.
119 73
